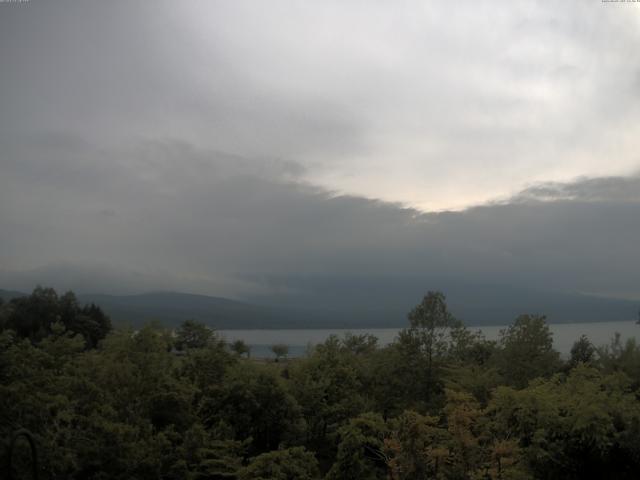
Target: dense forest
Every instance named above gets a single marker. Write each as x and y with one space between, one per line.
441 402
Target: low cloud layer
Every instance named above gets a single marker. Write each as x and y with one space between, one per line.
337 149
166 215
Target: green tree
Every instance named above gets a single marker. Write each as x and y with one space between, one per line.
469 348
89 321
32 316
361 450
360 344
418 354
4 314
430 321
582 351
280 350
527 351
203 455
328 388
241 348
463 418
621 356
578 426
398 377
253 402
192 334
430 325
416 447
290 464
206 367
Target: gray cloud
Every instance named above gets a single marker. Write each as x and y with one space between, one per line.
608 189
228 229
240 150
434 105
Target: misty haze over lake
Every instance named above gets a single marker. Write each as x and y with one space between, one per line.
300 340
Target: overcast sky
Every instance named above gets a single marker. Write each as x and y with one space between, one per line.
233 148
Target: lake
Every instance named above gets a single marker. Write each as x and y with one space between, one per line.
299 340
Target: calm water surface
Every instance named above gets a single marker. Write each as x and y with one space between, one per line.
300 340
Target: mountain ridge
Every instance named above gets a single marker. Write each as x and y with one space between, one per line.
475 309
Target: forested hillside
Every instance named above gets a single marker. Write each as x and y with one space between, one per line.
441 402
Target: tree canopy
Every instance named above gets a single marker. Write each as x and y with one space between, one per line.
440 402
